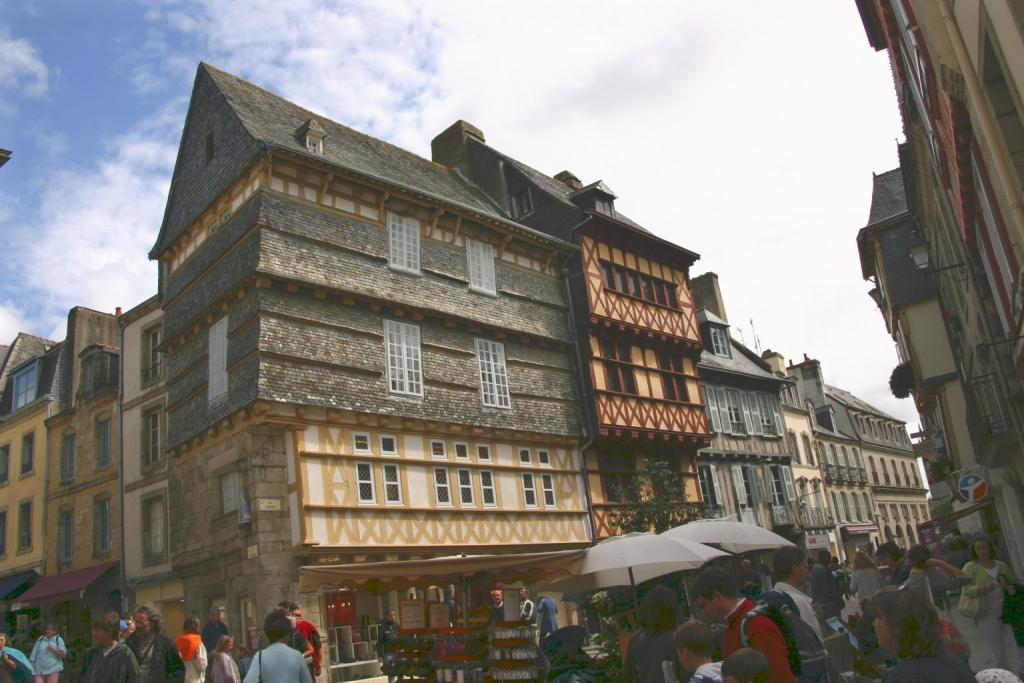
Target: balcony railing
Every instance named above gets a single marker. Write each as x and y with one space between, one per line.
816 518
781 515
830 472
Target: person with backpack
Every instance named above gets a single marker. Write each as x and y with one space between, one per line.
790 568
717 596
14 665
695 643
278 662
48 656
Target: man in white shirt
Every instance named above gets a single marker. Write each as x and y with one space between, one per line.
790 569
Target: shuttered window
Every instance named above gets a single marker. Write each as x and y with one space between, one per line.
708 486
402 345
217 382
102 529
480 259
493 374
69 446
404 243
65 536
711 399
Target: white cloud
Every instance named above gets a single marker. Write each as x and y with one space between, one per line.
12 321
95 224
22 72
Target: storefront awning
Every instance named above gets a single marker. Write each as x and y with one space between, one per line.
63 587
10 585
855 529
381 577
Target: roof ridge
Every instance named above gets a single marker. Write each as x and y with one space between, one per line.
215 71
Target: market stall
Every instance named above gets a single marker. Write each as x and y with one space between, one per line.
443 635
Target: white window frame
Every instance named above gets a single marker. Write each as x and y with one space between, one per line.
152 452
392 467
494 390
360 480
465 488
25 385
156 531
480 264
403 243
369 443
733 402
446 486
719 341
711 399
465 448
479 456
217 361
547 487
387 451
544 457
529 456
530 488
444 449
713 498
769 421
403 358
484 488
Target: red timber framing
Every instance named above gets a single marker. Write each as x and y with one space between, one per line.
642 345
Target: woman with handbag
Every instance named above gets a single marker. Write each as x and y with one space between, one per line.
983 598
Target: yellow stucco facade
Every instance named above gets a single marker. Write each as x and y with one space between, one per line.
23 435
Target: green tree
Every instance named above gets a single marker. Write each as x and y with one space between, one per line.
654 499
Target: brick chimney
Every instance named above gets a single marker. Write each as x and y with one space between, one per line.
569 179
450 147
707 294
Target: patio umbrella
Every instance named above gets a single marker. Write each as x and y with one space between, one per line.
735 537
632 559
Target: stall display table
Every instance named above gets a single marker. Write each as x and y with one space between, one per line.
354 671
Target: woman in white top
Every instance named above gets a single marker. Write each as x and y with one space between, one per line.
865 580
278 663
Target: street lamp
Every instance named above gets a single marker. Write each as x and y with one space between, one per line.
921 256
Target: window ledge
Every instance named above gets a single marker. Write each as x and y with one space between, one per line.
486 292
23 475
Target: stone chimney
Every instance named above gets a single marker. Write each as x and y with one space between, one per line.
812 382
775 360
707 294
569 179
450 147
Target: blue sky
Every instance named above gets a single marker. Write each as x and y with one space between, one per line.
745 131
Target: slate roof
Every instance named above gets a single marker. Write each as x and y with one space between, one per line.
848 399
888 196
706 316
3 354
743 361
275 122
24 348
558 189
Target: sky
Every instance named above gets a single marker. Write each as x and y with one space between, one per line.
746 131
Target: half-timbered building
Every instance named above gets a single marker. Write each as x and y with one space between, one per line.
365 360
635 324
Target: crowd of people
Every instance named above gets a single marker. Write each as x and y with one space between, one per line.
752 630
135 649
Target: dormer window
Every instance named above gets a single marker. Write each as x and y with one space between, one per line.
25 381
719 341
604 205
312 136
520 204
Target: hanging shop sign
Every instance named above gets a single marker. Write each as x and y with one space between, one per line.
972 486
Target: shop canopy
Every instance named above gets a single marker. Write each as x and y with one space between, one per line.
63 587
381 577
10 585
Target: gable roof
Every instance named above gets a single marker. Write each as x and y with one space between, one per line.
888 196
742 361
274 122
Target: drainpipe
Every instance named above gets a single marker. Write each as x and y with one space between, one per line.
120 465
985 121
